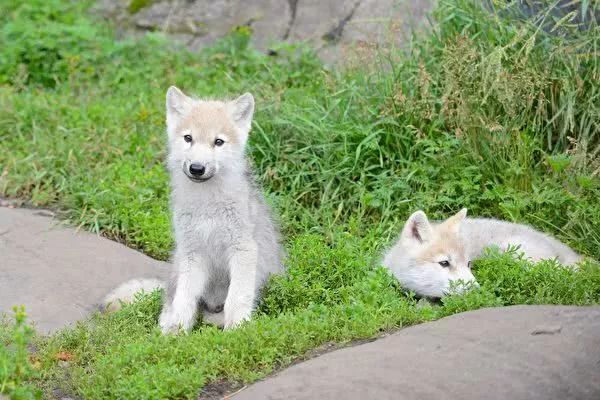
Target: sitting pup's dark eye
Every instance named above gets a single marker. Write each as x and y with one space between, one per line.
445 263
187 138
219 142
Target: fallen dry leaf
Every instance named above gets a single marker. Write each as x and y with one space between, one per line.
64 356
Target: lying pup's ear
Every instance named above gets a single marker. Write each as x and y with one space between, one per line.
417 228
453 223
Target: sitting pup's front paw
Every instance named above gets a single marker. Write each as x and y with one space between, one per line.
172 323
235 319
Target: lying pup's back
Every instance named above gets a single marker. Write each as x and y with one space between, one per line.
479 233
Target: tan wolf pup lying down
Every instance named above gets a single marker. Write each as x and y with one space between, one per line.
226 242
429 256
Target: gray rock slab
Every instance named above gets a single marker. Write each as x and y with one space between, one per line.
315 18
390 22
520 352
58 273
331 26
204 22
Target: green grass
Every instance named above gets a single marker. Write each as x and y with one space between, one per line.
15 367
124 355
484 112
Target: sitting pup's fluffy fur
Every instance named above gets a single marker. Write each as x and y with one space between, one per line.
226 242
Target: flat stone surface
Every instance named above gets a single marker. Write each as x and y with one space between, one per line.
58 273
520 352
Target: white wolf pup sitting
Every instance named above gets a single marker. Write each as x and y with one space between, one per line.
226 242
429 256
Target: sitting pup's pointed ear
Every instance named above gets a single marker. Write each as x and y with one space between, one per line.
178 104
417 228
242 110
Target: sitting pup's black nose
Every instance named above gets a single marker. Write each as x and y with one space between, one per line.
197 170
